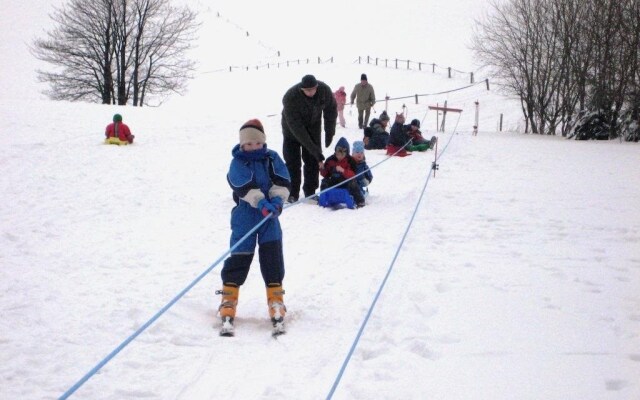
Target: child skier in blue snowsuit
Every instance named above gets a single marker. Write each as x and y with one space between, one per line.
260 182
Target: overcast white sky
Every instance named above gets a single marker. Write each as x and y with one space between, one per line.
420 30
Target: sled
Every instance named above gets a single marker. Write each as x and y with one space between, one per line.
115 140
336 198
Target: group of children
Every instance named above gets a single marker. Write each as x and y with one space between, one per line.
341 167
395 142
260 182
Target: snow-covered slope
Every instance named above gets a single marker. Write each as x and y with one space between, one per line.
518 278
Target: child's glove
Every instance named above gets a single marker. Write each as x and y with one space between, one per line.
274 207
277 203
266 207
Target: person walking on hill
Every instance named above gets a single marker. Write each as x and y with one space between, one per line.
366 98
306 105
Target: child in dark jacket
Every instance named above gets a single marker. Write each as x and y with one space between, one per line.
398 138
260 182
338 168
365 176
418 142
376 135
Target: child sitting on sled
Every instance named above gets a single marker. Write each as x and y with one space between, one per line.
118 132
399 138
364 175
418 142
338 168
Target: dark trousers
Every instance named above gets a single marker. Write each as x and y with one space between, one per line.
236 267
363 117
294 154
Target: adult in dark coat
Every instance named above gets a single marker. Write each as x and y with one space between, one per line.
306 105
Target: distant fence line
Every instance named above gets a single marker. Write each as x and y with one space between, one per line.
397 63
279 64
416 96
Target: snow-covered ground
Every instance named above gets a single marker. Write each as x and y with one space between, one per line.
519 277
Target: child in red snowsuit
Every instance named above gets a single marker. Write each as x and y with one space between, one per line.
117 129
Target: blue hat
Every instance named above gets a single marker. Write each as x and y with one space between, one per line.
358 147
343 143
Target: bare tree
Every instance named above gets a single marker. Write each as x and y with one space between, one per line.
520 45
564 59
117 51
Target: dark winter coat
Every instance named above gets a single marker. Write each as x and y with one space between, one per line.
398 138
378 137
398 135
302 117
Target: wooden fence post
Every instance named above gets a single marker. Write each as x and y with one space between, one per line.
449 76
471 77
487 83
444 115
416 99
475 126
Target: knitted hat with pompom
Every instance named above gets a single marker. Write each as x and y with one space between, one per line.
252 130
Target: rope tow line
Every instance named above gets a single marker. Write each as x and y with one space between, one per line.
142 328
147 324
184 291
384 280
